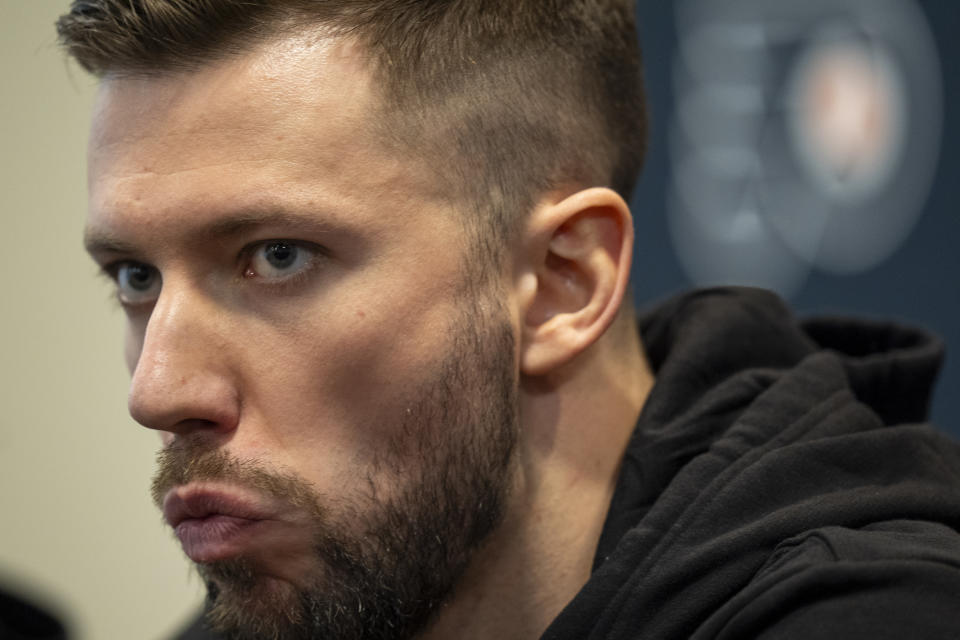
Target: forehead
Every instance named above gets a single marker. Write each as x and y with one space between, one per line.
292 119
280 87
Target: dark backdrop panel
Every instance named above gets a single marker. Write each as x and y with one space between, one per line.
917 283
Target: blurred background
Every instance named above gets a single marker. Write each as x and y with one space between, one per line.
811 148
808 147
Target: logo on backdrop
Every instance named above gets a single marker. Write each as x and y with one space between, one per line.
806 135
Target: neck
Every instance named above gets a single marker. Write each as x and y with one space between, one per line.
575 428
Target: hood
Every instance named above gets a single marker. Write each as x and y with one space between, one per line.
891 367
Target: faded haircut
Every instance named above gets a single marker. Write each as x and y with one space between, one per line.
505 100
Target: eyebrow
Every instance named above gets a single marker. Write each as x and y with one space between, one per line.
99 241
103 241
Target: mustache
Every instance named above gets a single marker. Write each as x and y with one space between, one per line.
189 459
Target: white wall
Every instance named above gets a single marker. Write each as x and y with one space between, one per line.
77 529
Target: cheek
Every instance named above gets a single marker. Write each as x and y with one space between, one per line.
340 386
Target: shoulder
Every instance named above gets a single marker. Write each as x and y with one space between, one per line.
892 579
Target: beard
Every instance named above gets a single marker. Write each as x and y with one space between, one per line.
386 564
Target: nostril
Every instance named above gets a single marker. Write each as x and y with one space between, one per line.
201 425
207 401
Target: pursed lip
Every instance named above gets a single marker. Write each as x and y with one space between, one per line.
194 501
215 522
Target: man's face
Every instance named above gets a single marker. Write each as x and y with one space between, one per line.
337 399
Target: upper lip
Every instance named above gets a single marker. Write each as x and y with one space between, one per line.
192 501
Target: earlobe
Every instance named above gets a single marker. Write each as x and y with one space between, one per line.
580 252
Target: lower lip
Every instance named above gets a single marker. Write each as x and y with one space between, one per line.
215 537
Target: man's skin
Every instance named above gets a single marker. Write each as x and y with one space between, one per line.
307 371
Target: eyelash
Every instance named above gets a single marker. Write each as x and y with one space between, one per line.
110 272
290 282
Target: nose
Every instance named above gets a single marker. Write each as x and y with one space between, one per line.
181 381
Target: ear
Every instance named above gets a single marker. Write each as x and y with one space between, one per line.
577 264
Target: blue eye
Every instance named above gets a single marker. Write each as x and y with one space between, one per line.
279 259
137 283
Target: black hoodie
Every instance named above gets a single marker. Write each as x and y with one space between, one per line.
778 485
